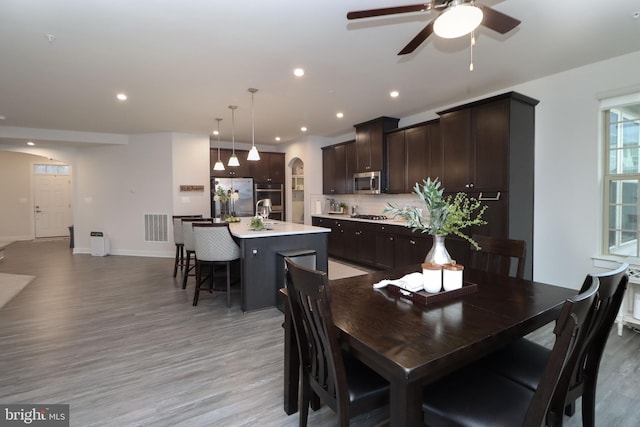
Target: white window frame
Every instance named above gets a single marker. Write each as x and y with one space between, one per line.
605 106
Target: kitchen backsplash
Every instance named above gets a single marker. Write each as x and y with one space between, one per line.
371 204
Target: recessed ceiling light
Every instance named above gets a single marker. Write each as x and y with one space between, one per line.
636 15
121 97
30 143
303 128
50 37
277 138
339 115
298 72
394 94
3 117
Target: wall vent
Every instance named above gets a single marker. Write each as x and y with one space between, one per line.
156 227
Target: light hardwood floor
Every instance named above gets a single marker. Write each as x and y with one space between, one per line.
118 339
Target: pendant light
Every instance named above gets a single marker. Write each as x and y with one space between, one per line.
253 153
219 166
233 160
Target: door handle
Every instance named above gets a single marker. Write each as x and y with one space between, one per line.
490 199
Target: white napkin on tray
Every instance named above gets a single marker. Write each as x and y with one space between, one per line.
411 282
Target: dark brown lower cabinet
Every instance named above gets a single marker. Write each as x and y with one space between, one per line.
359 244
411 248
384 246
336 241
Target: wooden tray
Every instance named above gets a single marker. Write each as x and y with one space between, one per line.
426 298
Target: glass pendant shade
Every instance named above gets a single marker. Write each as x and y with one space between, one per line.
457 20
233 160
253 153
219 166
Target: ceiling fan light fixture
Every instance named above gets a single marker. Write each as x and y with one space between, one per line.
457 20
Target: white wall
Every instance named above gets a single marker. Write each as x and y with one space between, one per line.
117 185
190 158
309 151
568 181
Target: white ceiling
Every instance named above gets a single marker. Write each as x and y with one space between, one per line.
183 62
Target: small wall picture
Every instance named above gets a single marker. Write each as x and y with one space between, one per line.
191 188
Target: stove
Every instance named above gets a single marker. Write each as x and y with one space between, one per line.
371 217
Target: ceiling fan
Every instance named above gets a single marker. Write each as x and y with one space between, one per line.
457 18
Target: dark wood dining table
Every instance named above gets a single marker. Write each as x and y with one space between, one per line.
412 344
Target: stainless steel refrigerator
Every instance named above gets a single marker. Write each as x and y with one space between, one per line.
244 206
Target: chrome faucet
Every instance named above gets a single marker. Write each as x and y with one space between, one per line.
266 208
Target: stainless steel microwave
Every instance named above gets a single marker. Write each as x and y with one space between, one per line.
366 183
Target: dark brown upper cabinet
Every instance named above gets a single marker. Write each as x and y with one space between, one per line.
269 169
413 154
479 139
370 139
338 163
242 171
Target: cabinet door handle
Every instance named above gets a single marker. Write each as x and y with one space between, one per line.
391 239
470 185
490 199
413 242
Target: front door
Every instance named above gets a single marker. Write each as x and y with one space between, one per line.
52 205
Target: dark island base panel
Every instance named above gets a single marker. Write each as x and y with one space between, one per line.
262 273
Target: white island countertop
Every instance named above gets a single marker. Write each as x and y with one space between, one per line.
274 228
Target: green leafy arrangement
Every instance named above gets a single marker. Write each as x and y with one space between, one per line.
223 195
446 215
257 223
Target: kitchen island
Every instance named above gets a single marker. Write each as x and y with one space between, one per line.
261 262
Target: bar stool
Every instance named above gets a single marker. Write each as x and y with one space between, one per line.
213 246
179 242
189 246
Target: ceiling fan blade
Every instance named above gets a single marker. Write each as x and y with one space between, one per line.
497 21
418 39
388 11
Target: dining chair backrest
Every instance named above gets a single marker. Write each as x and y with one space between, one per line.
318 347
496 255
187 231
177 227
583 366
576 313
213 242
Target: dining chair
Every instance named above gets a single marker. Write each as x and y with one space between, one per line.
496 255
214 245
339 380
189 246
524 360
476 396
179 242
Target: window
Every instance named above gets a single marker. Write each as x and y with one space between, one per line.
622 176
40 169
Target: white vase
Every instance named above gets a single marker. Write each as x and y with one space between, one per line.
438 253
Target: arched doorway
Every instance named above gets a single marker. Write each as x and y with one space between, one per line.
297 191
